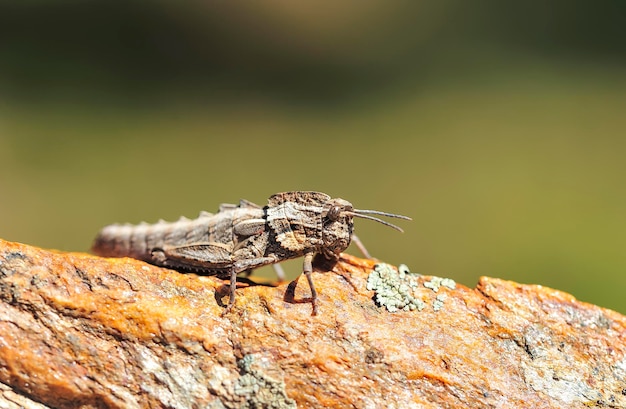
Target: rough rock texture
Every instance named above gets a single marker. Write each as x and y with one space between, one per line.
82 331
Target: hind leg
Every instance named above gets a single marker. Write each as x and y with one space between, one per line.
307 269
239 267
233 287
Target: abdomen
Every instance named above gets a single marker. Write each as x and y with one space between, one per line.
138 241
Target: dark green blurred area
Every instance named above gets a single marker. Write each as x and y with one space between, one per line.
498 126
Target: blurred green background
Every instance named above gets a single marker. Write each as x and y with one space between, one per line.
498 126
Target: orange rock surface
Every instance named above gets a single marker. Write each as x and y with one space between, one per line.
82 331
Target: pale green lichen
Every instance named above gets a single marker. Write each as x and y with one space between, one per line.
394 288
438 303
260 390
437 282
404 269
449 283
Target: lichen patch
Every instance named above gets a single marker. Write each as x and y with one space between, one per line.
398 288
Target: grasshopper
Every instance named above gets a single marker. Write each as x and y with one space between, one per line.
240 238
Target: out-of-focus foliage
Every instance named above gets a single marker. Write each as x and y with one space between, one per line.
498 127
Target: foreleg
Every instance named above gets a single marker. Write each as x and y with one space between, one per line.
360 246
307 269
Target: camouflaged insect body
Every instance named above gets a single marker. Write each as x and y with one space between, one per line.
300 221
242 237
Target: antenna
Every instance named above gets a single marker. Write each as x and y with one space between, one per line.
364 215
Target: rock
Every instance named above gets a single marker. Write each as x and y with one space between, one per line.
82 331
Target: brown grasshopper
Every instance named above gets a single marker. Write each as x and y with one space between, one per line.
243 237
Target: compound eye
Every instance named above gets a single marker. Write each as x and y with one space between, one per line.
334 213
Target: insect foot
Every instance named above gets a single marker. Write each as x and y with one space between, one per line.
240 238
